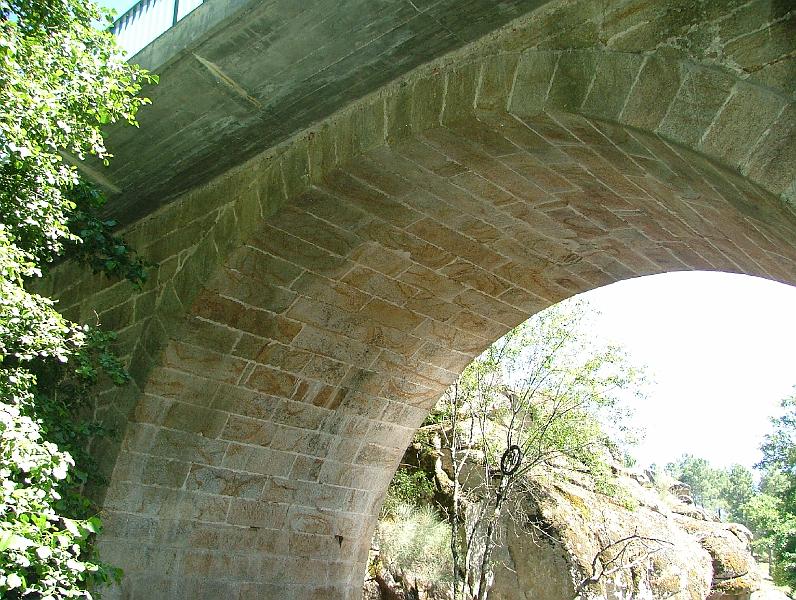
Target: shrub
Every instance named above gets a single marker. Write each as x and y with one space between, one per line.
416 540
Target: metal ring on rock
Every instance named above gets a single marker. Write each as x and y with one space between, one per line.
511 459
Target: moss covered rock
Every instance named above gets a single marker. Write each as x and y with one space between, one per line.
567 540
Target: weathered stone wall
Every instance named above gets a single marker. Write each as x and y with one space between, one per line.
311 304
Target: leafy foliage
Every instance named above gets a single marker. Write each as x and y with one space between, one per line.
779 446
738 491
408 487
97 245
775 517
61 80
706 482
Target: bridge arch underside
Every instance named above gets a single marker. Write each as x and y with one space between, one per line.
258 456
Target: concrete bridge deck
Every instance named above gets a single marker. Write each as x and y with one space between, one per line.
347 202
240 76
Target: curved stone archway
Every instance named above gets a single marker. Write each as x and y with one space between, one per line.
310 305
256 461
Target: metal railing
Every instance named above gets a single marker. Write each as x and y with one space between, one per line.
147 20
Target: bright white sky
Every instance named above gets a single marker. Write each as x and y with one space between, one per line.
721 351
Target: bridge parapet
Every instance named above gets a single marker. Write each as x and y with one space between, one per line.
147 20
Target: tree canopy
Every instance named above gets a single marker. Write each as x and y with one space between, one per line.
774 512
706 482
61 80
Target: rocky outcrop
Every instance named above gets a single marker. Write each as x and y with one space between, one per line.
734 570
383 585
566 540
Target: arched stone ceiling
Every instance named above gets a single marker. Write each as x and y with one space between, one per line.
255 462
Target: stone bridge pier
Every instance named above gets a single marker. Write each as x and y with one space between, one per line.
312 302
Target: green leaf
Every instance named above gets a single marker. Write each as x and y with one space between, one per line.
5 540
72 527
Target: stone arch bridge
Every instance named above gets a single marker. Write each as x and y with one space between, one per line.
348 201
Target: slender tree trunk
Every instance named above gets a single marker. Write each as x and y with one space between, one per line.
455 533
770 561
456 500
483 583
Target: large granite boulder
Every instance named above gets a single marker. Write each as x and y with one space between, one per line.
565 539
